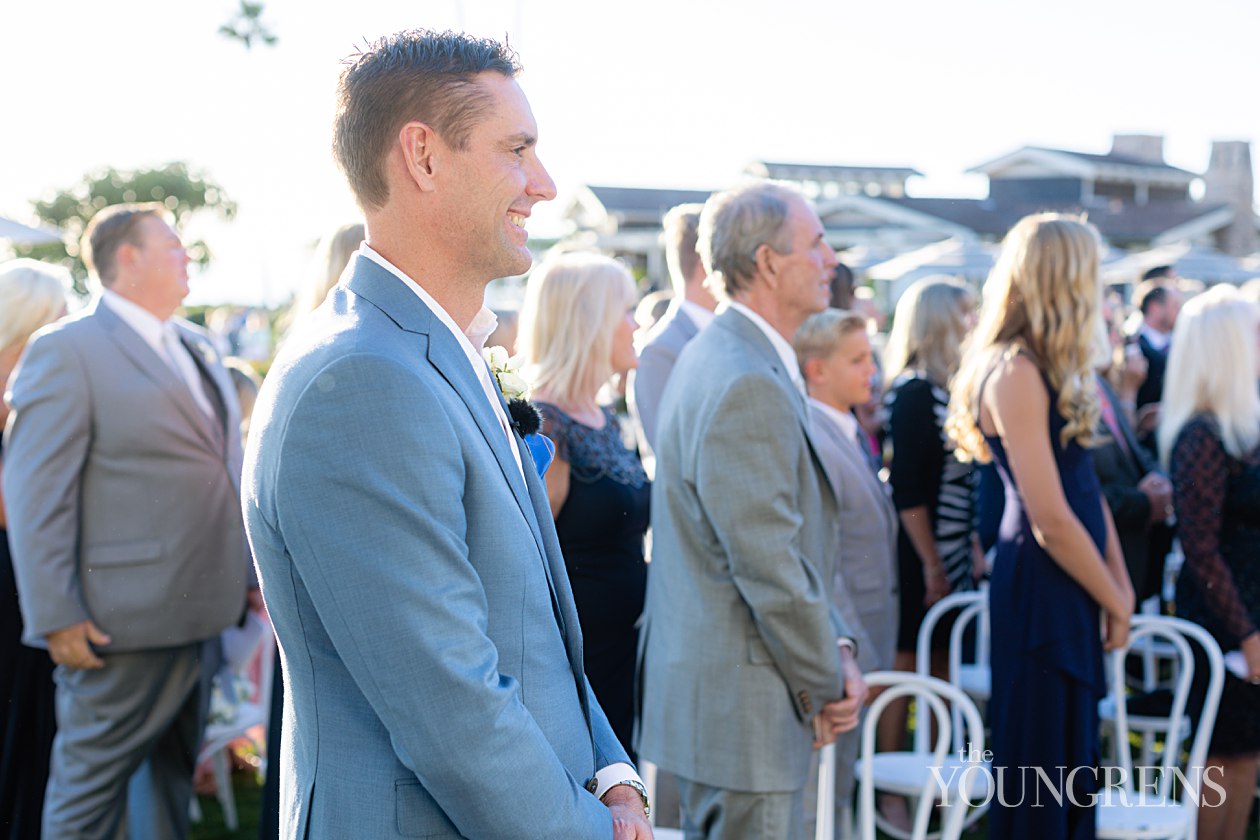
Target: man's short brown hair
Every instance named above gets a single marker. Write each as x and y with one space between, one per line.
681 232
109 230
419 75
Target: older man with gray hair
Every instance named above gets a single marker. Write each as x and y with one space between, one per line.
745 664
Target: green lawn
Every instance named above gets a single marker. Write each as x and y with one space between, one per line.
248 801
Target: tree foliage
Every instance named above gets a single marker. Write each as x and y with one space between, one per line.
183 192
246 26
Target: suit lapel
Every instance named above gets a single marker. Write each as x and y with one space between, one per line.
686 327
1126 430
734 320
215 386
155 368
375 284
386 292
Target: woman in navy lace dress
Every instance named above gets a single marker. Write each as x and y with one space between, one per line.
577 331
1211 430
32 294
1025 396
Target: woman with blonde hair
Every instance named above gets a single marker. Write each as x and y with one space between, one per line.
577 331
32 294
1210 431
1025 397
932 490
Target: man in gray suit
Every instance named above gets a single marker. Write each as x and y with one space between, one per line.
741 669
122 471
691 310
430 642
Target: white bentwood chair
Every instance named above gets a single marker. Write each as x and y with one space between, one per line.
824 827
248 650
973 610
951 774
1130 811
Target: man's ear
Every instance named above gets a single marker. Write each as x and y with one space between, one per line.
812 369
419 148
764 257
125 256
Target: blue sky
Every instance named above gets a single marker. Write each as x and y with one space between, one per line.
649 93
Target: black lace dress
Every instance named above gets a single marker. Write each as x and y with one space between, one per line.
924 472
601 528
27 719
1217 500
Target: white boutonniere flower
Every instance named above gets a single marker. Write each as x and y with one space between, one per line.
506 370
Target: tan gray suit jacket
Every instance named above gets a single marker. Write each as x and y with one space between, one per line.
866 567
122 494
738 652
657 358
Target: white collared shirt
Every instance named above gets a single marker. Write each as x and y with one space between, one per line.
153 330
483 323
699 316
144 322
780 344
1158 340
847 422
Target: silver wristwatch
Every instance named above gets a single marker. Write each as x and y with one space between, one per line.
638 786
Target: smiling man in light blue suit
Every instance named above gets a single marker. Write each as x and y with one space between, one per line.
431 650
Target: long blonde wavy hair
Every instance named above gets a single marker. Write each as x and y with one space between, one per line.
1212 369
1043 296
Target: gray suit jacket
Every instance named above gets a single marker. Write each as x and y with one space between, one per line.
647 382
122 494
866 566
431 649
738 652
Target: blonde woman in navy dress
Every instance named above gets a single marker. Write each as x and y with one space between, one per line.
1025 396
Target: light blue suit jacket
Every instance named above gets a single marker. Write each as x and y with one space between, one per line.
430 642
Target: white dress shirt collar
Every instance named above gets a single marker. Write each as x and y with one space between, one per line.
1158 340
471 342
847 423
699 316
149 326
780 344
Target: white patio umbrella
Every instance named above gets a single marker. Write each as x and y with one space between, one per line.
20 234
1195 262
968 260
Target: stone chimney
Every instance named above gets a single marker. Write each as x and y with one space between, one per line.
1148 148
1228 180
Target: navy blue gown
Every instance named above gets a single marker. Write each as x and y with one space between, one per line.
600 528
1047 663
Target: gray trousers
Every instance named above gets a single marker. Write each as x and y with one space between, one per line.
712 813
126 746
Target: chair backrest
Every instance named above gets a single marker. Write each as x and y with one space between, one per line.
932 695
1179 634
973 608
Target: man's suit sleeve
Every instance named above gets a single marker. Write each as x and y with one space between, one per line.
655 363
1130 507
47 446
747 479
371 497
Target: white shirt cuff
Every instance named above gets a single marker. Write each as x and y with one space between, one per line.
613 775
